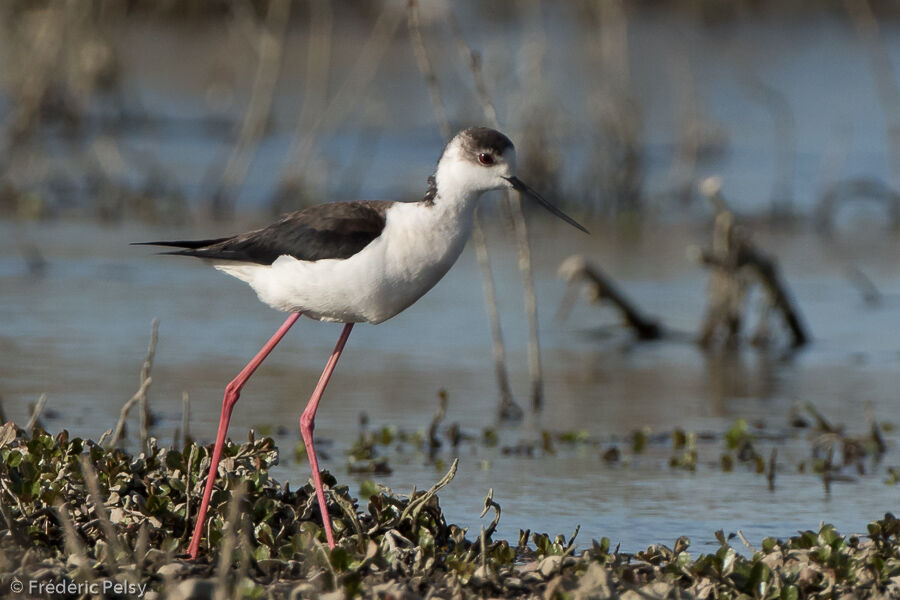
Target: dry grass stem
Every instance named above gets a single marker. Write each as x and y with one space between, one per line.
73 544
146 368
109 531
123 413
36 413
229 542
186 417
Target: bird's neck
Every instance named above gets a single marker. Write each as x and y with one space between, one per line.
451 193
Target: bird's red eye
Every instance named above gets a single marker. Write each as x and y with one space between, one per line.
485 158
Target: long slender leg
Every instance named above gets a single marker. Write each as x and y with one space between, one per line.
308 421
232 393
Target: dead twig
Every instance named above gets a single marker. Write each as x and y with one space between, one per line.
735 262
745 541
489 504
140 396
146 367
123 413
36 413
576 268
416 504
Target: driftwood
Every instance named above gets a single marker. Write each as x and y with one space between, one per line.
737 263
576 268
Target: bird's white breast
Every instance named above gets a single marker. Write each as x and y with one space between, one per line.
419 244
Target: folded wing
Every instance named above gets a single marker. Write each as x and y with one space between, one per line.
334 230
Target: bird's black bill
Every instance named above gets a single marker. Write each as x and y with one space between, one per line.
520 186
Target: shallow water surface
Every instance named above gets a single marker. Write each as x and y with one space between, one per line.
79 332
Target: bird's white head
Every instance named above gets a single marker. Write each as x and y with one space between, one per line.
479 160
476 160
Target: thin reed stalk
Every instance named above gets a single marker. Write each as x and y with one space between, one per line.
478 238
427 69
269 50
508 407
523 247
146 367
140 396
187 486
350 92
293 178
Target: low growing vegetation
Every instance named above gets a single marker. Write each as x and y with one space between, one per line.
75 512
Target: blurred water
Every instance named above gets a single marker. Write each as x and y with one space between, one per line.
79 333
79 330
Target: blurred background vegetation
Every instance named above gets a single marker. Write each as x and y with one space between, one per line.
173 110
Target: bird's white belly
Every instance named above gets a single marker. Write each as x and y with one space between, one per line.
375 284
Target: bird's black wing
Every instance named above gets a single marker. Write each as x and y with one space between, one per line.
334 230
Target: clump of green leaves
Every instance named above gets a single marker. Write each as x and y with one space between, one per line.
75 511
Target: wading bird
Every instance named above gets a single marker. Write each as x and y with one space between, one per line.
357 262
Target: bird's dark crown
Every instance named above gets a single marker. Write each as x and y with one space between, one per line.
485 139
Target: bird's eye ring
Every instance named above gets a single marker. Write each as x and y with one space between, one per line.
485 159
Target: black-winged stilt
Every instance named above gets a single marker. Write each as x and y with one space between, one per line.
357 262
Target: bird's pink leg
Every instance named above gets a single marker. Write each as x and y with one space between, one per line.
308 421
232 393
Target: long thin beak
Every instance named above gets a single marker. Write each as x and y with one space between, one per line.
520 186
